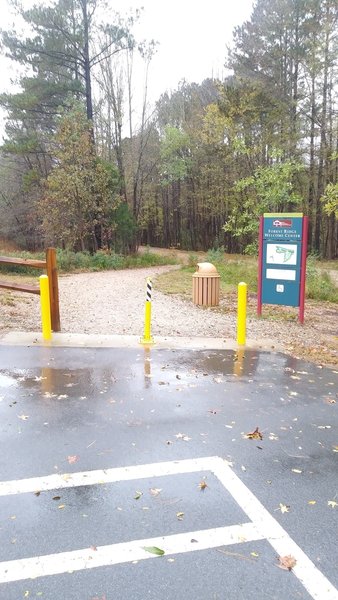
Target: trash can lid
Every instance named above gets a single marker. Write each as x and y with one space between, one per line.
206 268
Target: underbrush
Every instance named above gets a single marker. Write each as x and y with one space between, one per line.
319 285
74 262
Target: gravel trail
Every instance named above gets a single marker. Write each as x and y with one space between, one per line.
112 302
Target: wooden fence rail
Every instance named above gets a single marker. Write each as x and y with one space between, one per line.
51 267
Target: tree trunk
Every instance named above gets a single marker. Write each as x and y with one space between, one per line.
86 58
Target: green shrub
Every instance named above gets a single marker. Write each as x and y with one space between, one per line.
148 259
192 260
69 261
216 255
319 285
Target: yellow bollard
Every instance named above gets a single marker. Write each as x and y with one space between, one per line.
147 339
239 362
241 314
45 308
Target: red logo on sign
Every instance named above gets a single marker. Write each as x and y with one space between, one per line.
286 223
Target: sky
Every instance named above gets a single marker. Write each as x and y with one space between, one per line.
192 35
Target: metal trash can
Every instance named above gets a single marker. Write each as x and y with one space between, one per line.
205 285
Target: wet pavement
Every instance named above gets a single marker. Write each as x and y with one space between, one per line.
67 411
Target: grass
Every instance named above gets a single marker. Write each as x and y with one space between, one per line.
233 269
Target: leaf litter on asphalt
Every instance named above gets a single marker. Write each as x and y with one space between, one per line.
154 550
72 459
155 492
254 435
287 562
284 508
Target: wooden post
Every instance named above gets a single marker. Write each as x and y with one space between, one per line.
53 288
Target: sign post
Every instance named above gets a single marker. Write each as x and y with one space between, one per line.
282 260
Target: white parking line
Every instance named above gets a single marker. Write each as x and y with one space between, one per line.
68 480
318 586
114 554
263 526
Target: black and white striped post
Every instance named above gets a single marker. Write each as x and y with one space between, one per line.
147 338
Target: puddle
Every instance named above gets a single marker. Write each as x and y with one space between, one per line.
7 381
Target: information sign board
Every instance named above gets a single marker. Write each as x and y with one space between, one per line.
282 260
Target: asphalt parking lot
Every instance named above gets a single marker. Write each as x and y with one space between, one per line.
167 474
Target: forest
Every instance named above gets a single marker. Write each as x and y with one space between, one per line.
79 169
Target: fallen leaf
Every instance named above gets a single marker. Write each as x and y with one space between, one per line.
61 506
138 495
180 516
283 508
329 400
155 491
332 503
72 459
37 493
23 417
286 562
296 471
254 554
56 497
26 594
202 485
312 502
254 435
154 550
